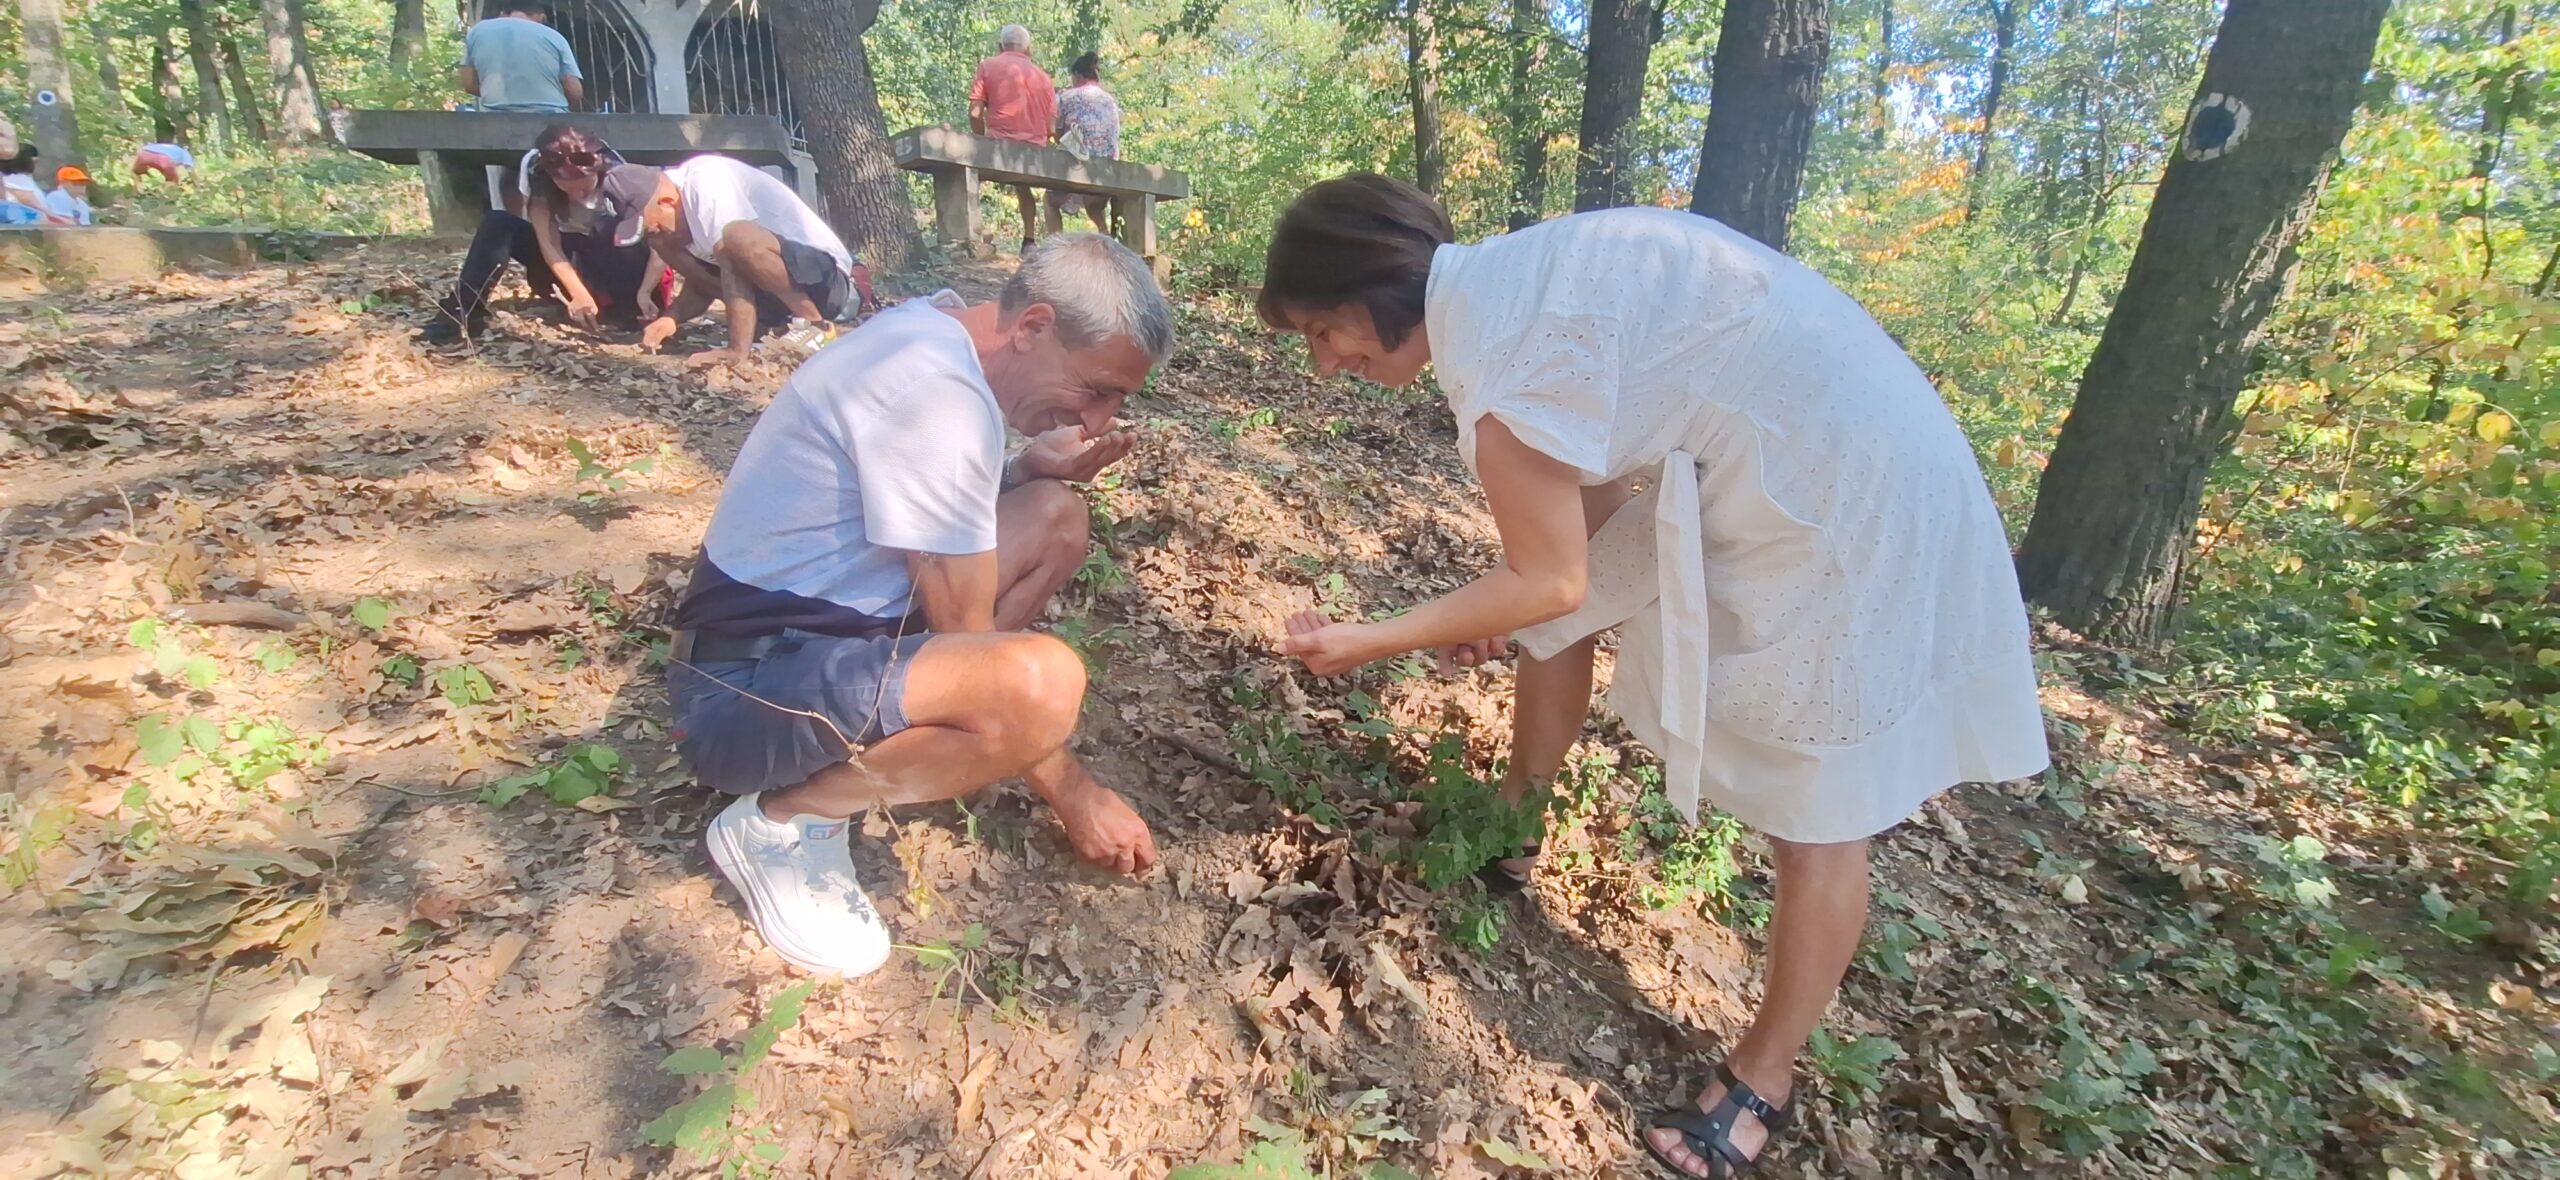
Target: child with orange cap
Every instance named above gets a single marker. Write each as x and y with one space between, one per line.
69 199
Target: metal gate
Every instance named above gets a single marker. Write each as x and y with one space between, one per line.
731 67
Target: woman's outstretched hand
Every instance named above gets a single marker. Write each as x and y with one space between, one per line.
1326 647
1471 654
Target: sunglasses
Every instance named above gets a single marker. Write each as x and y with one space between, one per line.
571 159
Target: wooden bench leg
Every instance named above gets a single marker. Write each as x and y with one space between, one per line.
457 193
1137 217
955 206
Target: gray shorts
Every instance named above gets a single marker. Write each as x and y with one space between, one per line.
740 745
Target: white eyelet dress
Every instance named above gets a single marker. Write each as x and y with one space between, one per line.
1822 627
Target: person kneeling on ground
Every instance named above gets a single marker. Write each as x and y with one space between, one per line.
562 243
739 236
870 569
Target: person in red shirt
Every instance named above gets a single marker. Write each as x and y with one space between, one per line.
1012 98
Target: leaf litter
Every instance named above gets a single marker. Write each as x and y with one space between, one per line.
466 929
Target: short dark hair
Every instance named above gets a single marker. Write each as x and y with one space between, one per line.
1088 66
1362 238
22 164
540 8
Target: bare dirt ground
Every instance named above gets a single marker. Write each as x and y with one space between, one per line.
314 645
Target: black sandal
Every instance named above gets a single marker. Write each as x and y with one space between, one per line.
1502 880
1708 1134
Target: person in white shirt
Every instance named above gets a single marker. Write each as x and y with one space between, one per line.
69 199
741 237
21 199
853 632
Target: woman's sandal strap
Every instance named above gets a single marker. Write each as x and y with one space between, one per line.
1740 1093
1707 1136
1502 880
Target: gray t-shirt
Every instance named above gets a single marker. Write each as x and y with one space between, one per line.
521 63
887 442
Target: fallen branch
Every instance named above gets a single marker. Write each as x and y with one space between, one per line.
1205 754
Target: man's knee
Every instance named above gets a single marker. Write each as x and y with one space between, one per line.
1040 691
1060 515
743 240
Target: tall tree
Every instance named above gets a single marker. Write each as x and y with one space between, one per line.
1884 71
172 119
829 71
1422 87
244 97
2116 509
1620 36
1770 55
1526 114
57 125
210 114
289 67
109 79
408 32
2004 38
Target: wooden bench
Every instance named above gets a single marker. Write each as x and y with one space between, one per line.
452 148
959 162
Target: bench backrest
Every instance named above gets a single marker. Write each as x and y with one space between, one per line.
1005 161
501 137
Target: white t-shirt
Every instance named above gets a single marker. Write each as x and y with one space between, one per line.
715 191
177 155
888 441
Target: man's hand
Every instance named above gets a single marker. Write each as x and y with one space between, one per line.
657 333
1471 654
1105 831
1326 647
582 310
1066 453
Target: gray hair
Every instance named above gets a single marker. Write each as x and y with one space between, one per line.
1098 287
1013 37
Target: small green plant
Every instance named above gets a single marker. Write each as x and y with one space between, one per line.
1853 1066
2091 1096
1466 822
29 829
966 967
1232 429
169 655
1092 645
1280 761
610 479
245 752
715 1125
1337 1139
275 656
373 614
402 668
464 686
585 771
1888 951
1476 921
2459 923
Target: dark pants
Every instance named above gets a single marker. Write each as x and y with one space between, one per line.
612 273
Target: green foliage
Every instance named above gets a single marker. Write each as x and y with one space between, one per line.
1339 1135
1854 1066
373 614
1476 919
584 771
610 478
713 1125
240 752
170 657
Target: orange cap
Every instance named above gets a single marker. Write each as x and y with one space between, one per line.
70 175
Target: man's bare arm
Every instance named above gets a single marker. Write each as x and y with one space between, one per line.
572 89
470 79
957 593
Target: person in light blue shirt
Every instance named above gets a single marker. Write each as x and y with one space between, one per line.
516 61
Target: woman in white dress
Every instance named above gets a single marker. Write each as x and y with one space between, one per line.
1820 627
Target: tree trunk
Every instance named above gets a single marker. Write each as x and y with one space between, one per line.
1526 114
109 79
244 97
829 73
408 32
289 67
2004 34
1884 71
210 115
1770 55
1620 40
2116 510
1422 83
170 122
57 125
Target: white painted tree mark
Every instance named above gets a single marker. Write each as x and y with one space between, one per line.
2215 126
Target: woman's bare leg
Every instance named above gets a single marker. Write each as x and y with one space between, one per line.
1813 934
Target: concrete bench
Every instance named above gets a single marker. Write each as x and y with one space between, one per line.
452 148
959 162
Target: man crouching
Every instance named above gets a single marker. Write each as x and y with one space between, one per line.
868 574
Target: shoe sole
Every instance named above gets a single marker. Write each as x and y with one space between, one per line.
728 855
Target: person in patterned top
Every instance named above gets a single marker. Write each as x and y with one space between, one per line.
1089 128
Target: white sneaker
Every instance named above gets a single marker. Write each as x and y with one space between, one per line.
800 889
806 337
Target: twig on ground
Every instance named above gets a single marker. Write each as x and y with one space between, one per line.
1193 747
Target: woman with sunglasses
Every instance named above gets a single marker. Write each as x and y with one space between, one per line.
563 241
